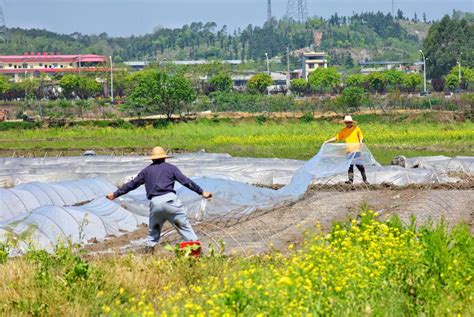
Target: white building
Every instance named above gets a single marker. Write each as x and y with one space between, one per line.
313 61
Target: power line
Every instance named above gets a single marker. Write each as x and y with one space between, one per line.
297 10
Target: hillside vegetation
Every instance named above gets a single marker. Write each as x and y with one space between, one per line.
379 36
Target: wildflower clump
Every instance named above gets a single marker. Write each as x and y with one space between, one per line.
366 266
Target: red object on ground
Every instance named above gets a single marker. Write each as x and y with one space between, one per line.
194 245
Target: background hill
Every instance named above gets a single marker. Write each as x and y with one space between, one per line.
347 39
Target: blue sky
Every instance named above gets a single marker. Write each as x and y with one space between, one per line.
126 17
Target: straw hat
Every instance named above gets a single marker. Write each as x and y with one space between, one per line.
348 119
158 153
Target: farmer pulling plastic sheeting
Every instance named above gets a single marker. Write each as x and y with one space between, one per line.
352 135
159 179
233 197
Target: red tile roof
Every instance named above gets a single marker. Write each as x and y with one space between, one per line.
48 57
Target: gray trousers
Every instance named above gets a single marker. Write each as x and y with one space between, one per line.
169 208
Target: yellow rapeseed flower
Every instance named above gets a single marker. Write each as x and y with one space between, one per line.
106 309
285 281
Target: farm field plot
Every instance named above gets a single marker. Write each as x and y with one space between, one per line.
335 250
282 139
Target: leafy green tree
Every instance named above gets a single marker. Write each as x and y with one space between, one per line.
80 86
121 83
394 78
325 79
400 14
4 86
411 81
452 82
467 76
29 87
221 82
356 80
352 98
259 83
88 87
69 84
299 86
447 40
162 93
377 82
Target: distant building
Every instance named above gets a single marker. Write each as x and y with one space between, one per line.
313 61
139 65
381 66
278 78
32 63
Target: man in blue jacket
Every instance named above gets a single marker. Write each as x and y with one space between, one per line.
159 178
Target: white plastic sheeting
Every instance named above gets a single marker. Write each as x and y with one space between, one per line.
461 164
234 199
15 171
48 208
45 227
27 197
262 171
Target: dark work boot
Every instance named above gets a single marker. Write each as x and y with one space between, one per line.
361 168
350 173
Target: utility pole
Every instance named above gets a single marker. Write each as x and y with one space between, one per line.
424 71
26 88
111 80
268 64
288 69
393 9
459 72
268 70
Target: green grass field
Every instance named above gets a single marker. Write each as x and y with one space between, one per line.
282 139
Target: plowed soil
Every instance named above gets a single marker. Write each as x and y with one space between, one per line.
276 229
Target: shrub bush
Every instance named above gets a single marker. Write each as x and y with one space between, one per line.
4 126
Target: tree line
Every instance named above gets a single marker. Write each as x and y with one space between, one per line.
379 33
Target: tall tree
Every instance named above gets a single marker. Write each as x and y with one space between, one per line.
221 82
447 41
325 79
161 93
259 83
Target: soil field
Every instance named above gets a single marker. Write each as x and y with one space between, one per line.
276 229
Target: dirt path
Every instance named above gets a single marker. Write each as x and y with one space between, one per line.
278 228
